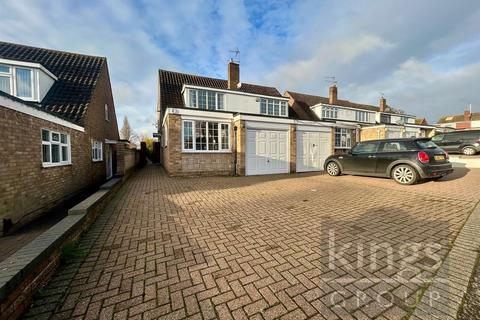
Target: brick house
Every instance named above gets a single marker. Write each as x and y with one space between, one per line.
216 126
356 121
59 129
467 120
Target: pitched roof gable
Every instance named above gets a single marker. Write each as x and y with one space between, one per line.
77 77
171 84
458 118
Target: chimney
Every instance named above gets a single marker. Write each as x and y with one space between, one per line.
233 74
467 115
332 94
383 104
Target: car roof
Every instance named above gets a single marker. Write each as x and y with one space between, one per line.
396 139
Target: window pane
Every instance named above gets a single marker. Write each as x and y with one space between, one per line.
276 110
270 106
220 101
24 82
45 135
263 106
283 108
202 99
5 84
211 100
55 137
212 136
63 138
4 68
46 153
55 153
225 136
187 135
192 94
200 135
64 153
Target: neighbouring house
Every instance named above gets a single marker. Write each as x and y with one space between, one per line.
227 127
59 129
467 120
355 121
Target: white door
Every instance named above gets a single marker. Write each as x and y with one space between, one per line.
312 150
267 152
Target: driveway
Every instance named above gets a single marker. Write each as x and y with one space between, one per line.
290 246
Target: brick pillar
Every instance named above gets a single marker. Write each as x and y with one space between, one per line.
293 148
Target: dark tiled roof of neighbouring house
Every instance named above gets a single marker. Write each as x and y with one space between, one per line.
77 76
459 118
171 84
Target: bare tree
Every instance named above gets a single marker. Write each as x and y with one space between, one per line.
127 133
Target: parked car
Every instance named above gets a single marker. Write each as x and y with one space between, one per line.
406 161
464 141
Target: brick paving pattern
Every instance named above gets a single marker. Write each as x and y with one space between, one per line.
289 247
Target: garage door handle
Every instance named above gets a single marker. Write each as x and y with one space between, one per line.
268 160
314 145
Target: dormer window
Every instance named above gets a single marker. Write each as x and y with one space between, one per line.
17 81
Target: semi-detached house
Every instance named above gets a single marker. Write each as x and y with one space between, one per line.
227 127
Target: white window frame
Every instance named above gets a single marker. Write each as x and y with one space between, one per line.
220 140
329 112
343 132
12 75
107 118
362 116
279 107
196 105
98 146
49 143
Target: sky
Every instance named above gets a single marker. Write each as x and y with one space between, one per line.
423 56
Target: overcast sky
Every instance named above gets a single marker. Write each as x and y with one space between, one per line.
424 56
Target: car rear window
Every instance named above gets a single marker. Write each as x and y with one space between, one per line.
426 144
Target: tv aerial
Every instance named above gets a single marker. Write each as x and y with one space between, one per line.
331 80
237 55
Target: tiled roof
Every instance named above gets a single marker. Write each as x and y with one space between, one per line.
77 77
171 84
459 118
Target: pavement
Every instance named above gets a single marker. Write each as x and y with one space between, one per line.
287 246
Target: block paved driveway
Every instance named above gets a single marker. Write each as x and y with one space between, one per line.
288 246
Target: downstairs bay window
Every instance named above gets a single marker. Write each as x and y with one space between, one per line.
205 136
56 149
343 138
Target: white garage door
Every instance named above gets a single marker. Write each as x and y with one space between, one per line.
312 150
267 152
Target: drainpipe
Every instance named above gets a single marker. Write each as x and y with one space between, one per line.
235 150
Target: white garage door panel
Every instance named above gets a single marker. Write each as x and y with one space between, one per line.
267 152
312 150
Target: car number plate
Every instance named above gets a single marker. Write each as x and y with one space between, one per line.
439 157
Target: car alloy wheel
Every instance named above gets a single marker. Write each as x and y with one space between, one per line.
333 169
469 151
404 174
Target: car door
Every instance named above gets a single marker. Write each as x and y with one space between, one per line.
361 159
389 151
452 141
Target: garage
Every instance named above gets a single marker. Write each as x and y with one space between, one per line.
313 147
267 151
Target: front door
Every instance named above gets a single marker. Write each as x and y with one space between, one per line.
108 160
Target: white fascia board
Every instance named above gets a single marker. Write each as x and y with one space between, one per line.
315 123
263 119
31 111
200 114
232 92
341 107
351 125
28 64
420 126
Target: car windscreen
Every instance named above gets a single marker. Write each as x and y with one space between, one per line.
426 144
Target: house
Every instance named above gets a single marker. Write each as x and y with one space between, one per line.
467 120
59 129
355 121
227 127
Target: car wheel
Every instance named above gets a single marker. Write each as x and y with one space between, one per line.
333 169
469 151
404 174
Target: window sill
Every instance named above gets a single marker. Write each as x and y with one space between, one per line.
51 165
206 151
97 160
342 147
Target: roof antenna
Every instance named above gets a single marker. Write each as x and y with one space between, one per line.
382 95
237 55
331 80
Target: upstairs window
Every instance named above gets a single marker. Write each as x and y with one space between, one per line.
329 112
385 118
273 107
362 116
17 81
55 148
205 99
97 151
